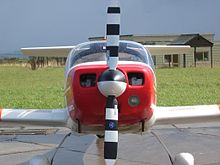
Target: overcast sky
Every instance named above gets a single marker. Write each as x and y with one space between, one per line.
25 23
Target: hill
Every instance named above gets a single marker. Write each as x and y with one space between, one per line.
13 54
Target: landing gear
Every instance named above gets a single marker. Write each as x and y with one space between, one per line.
79 130
100 136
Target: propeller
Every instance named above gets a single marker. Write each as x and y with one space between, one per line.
113 33
112 83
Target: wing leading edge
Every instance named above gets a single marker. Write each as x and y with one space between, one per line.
187 114
63 51
56 51
47 117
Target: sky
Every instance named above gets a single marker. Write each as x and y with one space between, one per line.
29 23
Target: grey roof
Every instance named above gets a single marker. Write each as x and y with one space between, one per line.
194 40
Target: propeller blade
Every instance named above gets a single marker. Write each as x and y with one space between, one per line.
111 131
113 34
112 83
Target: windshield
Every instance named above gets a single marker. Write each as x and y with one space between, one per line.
96 51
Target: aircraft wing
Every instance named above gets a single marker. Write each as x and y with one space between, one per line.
63 51
47 117
187 114
167 49
56 51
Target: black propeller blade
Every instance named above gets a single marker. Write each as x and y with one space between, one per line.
113 33
111 131
112 83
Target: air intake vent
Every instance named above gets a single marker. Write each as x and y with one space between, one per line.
88 80
136 79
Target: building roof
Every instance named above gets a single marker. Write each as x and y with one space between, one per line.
194 40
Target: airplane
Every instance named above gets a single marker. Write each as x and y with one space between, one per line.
110 88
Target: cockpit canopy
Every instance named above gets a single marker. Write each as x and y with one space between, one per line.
96 51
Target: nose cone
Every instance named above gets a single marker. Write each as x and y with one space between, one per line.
112 83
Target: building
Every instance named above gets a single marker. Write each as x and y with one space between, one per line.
204 50
216 53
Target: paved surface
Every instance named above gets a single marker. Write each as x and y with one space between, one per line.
202 140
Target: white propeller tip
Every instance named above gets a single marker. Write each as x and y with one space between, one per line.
114 3
110 161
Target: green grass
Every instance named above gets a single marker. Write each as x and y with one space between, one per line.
188 86
24 88
43 88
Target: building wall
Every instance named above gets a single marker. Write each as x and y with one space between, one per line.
216 53
164 39
160 62
204 63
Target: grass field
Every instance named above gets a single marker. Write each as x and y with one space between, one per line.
43 88
23 88
189 86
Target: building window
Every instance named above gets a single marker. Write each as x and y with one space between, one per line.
167 58
202 56
172 60
206 56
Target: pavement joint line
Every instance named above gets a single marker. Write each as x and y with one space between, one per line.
119 158
142 162
10 139
190 130
22 131
21 152
14 139
40 144
60 144
179 129
204 134
164 146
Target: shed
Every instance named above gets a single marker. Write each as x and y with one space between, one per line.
193 40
